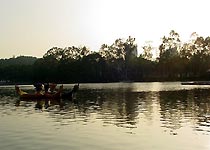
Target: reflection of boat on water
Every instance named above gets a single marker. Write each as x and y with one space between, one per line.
42 103
196 83
58 95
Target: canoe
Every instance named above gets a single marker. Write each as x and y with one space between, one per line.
60 94
25 95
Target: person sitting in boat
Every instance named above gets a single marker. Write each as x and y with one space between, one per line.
50 90
39 89
46 87
52 87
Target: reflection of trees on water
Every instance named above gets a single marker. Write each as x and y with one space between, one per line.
112 107
118 107
172 105
125 108
146 105
181 107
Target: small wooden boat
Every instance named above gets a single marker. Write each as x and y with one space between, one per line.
25 95
58 95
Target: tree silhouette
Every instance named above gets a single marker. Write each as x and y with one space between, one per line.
113 63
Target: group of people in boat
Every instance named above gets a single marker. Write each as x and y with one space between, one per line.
48 90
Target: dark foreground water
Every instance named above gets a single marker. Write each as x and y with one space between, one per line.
117 116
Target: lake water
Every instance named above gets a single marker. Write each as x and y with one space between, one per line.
112 116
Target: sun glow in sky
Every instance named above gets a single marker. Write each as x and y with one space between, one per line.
31 27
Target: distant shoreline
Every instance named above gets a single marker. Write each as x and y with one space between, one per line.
181 82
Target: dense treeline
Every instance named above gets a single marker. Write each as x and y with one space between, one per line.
176 60
17 69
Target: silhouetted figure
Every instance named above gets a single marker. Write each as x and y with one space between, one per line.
70 94
75 88
52 87
46 87
38 88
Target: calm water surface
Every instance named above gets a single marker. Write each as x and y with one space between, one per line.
149 116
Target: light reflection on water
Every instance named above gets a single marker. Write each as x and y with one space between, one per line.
109 116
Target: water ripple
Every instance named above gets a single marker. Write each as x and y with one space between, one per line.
102 118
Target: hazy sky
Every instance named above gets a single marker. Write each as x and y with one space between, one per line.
31 27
